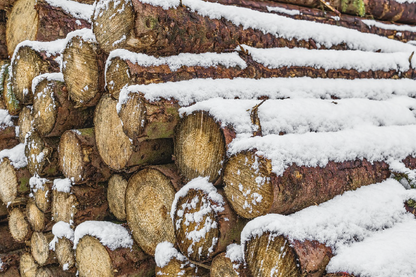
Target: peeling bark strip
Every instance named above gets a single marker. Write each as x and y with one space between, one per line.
79 159
299 186
275 255
152 30
14 182
27 63
82 203
386 29
95 259
7 243
9 260
83 63
149 217
54 113
38 20
116 149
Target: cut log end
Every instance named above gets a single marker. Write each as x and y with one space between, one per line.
39 245
44 108
35 217
63 206
43 198
122 22
149 217
81 71
92 258
116 196
222 266
8 180
132 114
71 156
37 153
117 76
271 255
113 145
65 253
28 266
238 171
199 147
25 123
23 16
18 225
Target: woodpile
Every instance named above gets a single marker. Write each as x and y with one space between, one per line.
207 138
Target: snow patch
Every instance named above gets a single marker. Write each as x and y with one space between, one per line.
283 10
16 155
37 182
391 26
77 10
48 76
165 252
61 230
62 185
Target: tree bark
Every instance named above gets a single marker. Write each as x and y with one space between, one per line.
25 123
6 4
27 63
82 203
9 260
223 266
8 137
116 149
39 245
95 259
19 227
149 217
3 212
14 182
39 21
54 113
153 30
83 64
299 186
79 159
42 155
7 243
3 44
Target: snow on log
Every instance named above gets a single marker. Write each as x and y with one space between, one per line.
30 59
44 20
62 244
8 261
42 155
76 204
82 67
41 190
39 245
170 262
28 266
116 196
149 217
25 123
107 249
7 243
79 159
204 222
340 224
230 263
116 149
19 227
53 112
158 28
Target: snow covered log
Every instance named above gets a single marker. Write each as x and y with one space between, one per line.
30 59
38 220
53 112
79 159
25 123
7 243
148 217
41 189
170 262
44 20
19 227
42 155
204 222
82 66
39 245
9 260
116 196
63 245
229 264
107 249
117 150
76 204
14 181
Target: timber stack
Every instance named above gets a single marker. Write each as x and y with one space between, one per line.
207 138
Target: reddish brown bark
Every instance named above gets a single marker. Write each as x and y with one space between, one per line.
10 259
8 138
6 4
3 44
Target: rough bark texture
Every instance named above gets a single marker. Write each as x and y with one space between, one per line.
299 186
220 227
8 137
149 217
199 147
14 182
152 30
6 4
25 123
38 20
28 266
79 159
116 149
176 267
222 266
42 155
7 243
83 66
3 212
53 271
54 113
18 225
81 204
39 245
116 196
26 65
9 260
94 259
3 45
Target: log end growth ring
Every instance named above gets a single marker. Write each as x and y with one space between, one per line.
8 181
28 266
40 247
117 76
44 108
149 217
70 156
18 226
116 196
92 258
65 253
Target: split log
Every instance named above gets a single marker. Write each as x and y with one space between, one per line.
116 149
9 98
31 59
52 271
79 159
137 29
149 217
222 265
42 155
18 225
203 220
9 260
77 204
25 123
43 21
170 262
7 243
14 182
53 112
83 61
116 196
38 220
39 245
28 266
